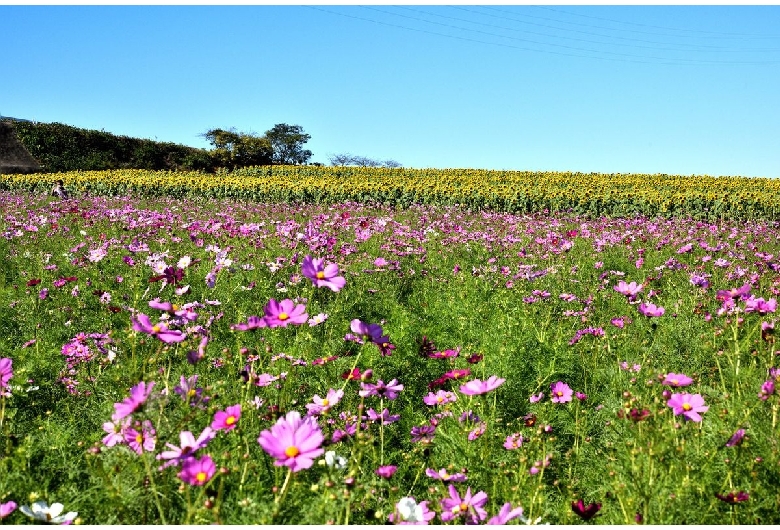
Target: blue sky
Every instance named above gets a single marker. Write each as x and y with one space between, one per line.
611 89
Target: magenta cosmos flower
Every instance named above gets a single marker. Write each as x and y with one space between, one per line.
442 397
6 508
6 371
138 396
367 332
226 420
689 405
159 330
293 442
253 322
322 275
198 471
672 379
475 387
469 507
506 514
380 389
279 314
560 392
651 310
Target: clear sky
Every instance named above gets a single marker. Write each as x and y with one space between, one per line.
611 89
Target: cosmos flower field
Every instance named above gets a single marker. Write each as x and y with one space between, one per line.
181 361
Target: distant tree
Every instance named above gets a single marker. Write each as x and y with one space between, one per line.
287 143
234 150
347 159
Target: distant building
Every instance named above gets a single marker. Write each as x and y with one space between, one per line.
14 158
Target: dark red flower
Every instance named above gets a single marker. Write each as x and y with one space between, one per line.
586 512
427 347
733 497
474 359
33 282
529 420
638 415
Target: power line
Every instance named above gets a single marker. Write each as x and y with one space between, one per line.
652 60
558 36
720 33
574 48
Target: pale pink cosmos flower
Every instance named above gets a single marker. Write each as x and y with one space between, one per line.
189 445
159 330
689 405
380 389
323 405
676 380
470 507
116 431
560 392
506 514
322 275
445 475
293 442
628 289
476 387
409 512
651 310
513 441
536 398
441 397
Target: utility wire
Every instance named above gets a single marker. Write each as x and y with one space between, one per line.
503 45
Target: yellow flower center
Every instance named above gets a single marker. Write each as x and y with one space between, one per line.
439 399
200 477
445 476
283 316
174 307
325 403
292 451
463 506
191 392
673 381
320 275
230 420
686 407
139 438
156 328
559 393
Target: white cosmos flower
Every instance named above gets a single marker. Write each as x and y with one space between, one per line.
184 262
40 511
334 460
409 510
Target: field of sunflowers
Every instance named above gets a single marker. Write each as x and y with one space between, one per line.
591 194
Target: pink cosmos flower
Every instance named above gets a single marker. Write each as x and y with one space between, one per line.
469 507
253 322
197 472
367 332
6 508
322 275
767 389
228 419
651 310
323 405
513 441
293 442
116 431
676 380
560 392
536 398
143 440
689 405
189 445
506 514
444 475
138 396
441 397
6 371
476 387
386 471
628 289
280 314
159 330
